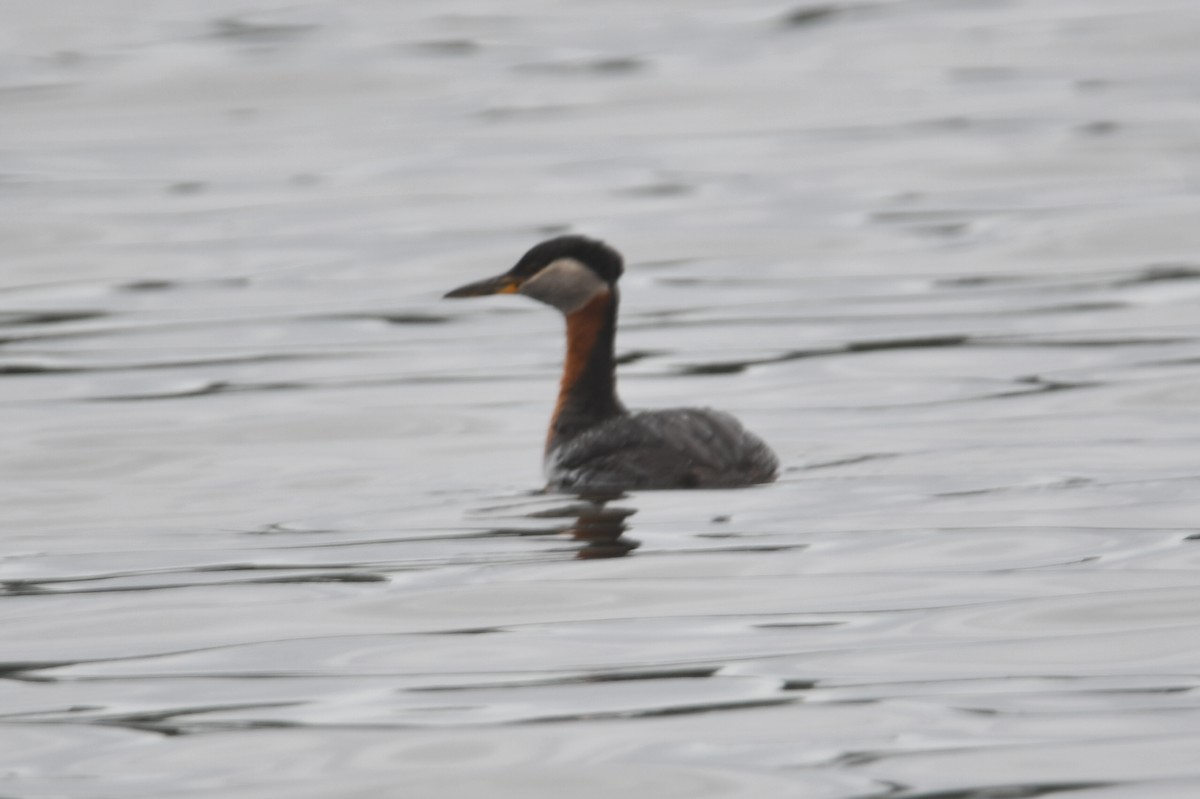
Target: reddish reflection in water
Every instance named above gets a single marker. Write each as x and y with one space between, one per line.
603 528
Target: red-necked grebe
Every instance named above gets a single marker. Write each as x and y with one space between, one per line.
594 442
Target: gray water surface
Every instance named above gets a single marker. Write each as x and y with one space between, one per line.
271 523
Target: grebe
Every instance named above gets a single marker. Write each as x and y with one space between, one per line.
594 442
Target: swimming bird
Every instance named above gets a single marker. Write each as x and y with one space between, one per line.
594 443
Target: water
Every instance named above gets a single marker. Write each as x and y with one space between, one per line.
271 521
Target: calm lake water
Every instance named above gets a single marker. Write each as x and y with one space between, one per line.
271 524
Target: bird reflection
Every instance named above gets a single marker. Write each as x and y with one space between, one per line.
602 528
598 524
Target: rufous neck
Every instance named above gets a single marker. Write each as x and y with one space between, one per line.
587 394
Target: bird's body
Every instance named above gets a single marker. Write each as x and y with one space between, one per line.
669 448
594 443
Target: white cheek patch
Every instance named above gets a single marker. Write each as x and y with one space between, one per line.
566 284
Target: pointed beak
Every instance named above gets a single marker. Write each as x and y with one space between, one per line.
502 284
